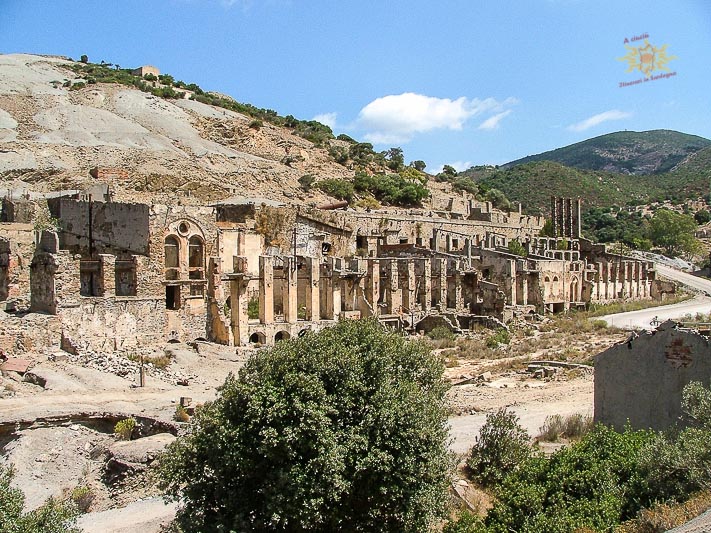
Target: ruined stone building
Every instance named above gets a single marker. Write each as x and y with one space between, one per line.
248 270
640 382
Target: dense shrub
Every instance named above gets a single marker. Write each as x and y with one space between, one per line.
53 516
391 189
341 430
501 447
124 428
341 189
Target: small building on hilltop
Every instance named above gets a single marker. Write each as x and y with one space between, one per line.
641 381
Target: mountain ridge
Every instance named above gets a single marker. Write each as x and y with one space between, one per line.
625 152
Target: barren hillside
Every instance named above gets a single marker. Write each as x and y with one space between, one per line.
51 135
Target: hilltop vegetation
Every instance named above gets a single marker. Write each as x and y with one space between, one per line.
533 183
625 152
165 86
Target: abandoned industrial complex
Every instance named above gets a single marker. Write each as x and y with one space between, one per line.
250 270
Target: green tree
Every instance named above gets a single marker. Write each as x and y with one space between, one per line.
341 189
394 159
702 217
673 232
341 430
498 199
501 447
418 165
52 517
84 59
516 248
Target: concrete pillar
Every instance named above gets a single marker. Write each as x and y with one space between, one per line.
313 296
458 296
290 294
511 298
372 288
266 289
238 308
336 290
393 292
406 268
426 285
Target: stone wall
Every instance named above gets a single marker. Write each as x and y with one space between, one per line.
108 324
17 246
641 381
116 227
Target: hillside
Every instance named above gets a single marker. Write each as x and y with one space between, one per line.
625 152
171 141
532 184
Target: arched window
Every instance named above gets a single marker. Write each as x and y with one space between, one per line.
172 252
195 252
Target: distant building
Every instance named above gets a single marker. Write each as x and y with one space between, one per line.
146 69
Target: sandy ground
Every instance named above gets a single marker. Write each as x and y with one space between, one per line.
532 400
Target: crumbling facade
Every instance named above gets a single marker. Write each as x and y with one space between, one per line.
248 270
640 382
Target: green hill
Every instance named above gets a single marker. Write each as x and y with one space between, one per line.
625 152
532 184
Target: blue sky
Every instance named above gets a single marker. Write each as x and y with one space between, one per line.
451 82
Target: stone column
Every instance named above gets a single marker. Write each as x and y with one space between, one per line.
239 319
393 293
441 274
426 285
512 296
524 289
291 300
336 289
372 287
407 268
458 297
266 289
313 297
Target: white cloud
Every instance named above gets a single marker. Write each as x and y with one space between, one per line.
492 123
613 114
459 166
396 118
329 119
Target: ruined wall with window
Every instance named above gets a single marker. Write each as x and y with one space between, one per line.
17 245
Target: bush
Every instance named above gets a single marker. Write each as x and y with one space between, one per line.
441 333
181 415
124 428
516 248
306 182
345 429
500 337
82 496
52 517
551 429
341 189
593 483
391 189
339 154
256 124
253 308
501 447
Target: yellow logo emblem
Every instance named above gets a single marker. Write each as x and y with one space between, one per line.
646 58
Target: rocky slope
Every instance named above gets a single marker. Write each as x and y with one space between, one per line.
51 135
